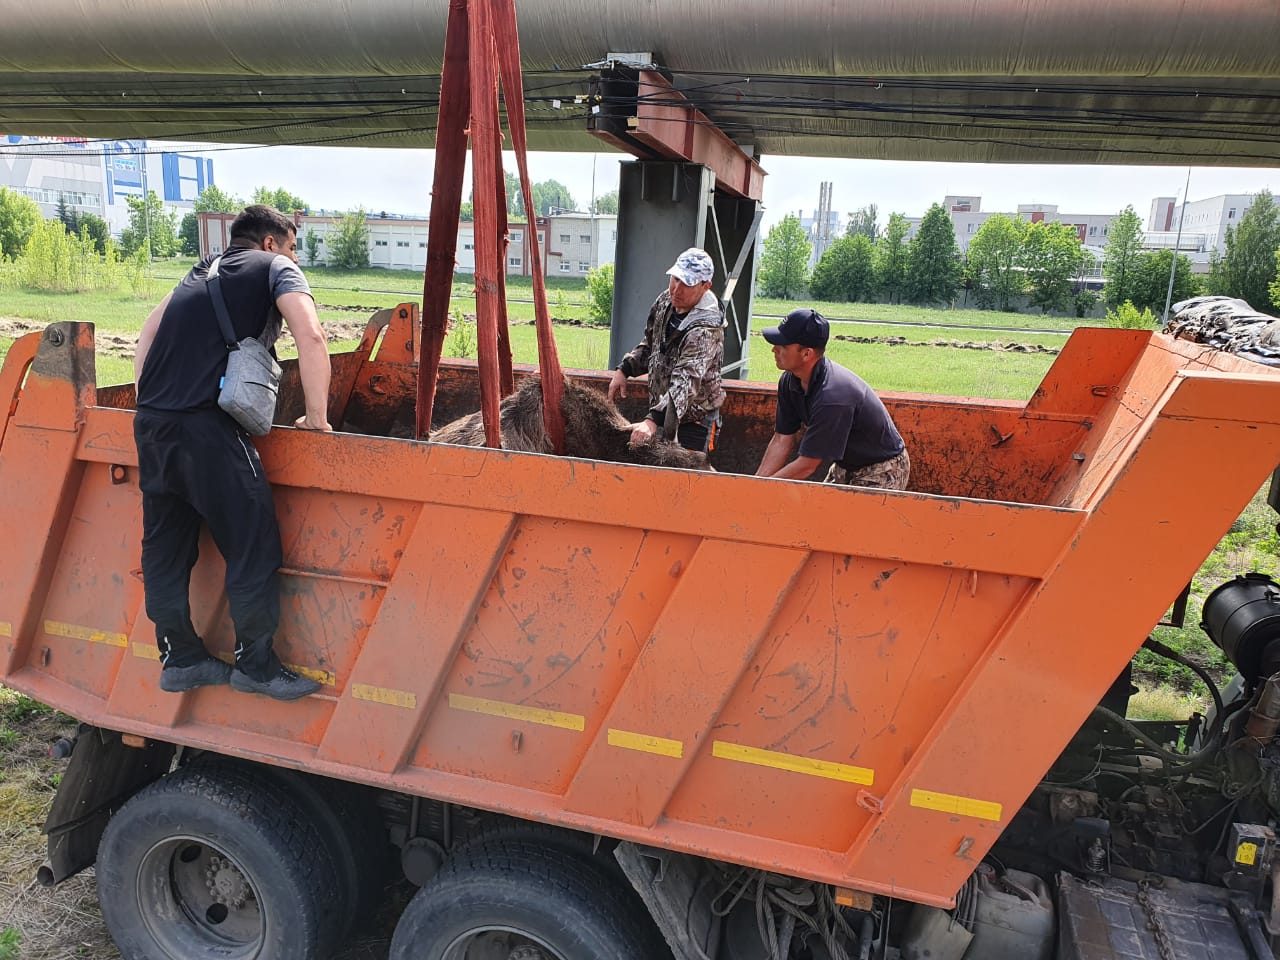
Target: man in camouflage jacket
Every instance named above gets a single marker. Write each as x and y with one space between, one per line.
682 351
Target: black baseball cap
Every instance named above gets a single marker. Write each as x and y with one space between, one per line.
804 326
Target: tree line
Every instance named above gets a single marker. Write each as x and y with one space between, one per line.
1010 258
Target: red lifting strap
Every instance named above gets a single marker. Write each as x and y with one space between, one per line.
508 43
481 33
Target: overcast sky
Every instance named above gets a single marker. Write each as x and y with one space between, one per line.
398 181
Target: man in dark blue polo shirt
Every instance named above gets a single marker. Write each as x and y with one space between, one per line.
845 422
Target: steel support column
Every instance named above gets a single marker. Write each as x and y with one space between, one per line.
664 208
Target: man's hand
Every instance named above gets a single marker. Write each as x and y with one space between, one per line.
305 422
644 431
617 385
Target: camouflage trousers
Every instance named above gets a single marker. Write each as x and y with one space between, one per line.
891 474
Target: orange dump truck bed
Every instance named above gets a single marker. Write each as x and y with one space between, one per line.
857 687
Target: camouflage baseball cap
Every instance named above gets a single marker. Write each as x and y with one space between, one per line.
692 267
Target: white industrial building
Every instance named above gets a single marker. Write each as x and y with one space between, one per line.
572 243
96 176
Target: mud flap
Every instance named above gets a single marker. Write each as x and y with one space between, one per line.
676 889
103 773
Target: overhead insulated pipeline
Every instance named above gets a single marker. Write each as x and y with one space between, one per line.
811 38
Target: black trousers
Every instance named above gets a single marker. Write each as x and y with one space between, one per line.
194 467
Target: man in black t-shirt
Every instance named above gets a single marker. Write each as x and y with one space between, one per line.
196 465
845 422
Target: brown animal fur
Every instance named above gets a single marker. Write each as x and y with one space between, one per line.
594 430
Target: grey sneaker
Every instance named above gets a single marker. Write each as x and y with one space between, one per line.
207 673
284 684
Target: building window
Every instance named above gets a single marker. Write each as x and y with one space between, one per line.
1093 231
514 261
565 266
564 238
468 246
402 243
379 243
1231 214
540 237
583 266
615 236
584 238
421 244
517 238
971 228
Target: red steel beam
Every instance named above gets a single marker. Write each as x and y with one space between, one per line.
669 124
446 203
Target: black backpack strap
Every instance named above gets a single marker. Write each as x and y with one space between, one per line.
214 284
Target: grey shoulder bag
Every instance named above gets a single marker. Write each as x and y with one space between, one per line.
252 381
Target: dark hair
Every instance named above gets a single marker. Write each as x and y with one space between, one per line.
254 224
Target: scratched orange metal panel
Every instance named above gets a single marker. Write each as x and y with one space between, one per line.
1047 669
708 631
861 655
91 601
902 526
447 566
567 612
346 535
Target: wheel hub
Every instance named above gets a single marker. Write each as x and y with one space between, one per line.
227 885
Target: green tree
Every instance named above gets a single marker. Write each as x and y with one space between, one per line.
862 222
606 203
189 236
18 217
213 200
98 231
68 216
1275 284
1151 280
466 212
1247 266
891 258
148 220
1053 258
349 244
784 266
1120 257
280 198
846 270
600 294
995 260
551 195
311 245
933 260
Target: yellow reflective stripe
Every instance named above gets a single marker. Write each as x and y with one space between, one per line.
57 628
645 743
6 628
516 711
790 762
146 651
961 806
385 695
328 678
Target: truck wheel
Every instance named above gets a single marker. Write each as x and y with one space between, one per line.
207 864
353 839
519 901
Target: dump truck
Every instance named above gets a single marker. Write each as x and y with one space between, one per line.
601 710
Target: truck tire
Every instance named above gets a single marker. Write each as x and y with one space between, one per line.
531 901
215 863
353 839
584 846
